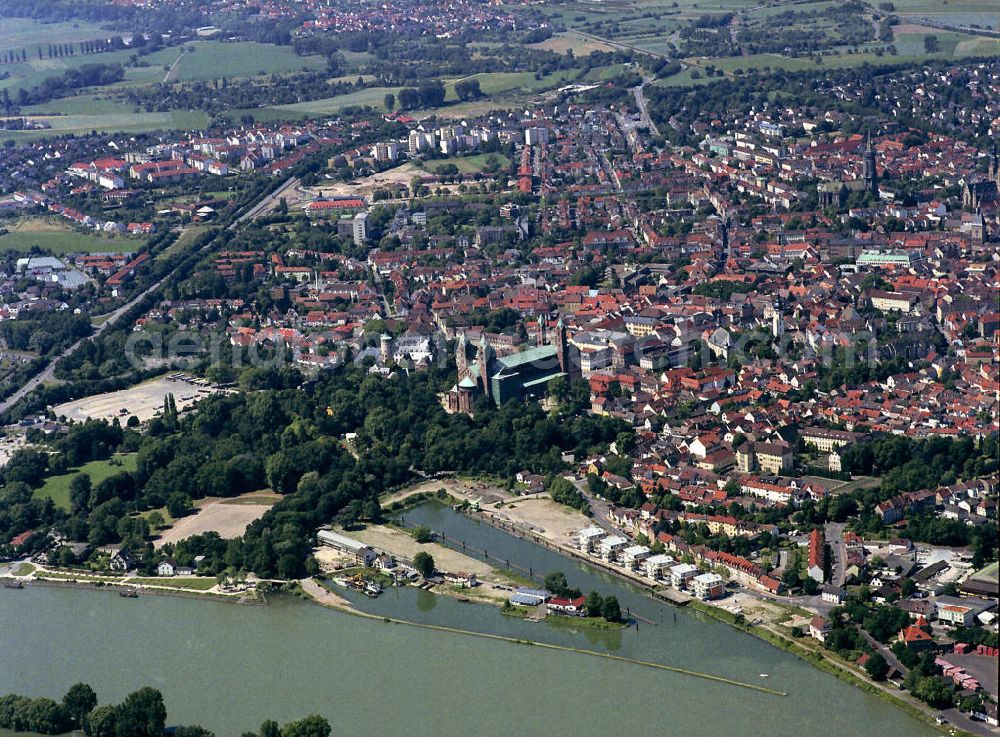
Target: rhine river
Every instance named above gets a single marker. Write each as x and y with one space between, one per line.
229 667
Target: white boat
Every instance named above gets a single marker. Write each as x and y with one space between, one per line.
763 675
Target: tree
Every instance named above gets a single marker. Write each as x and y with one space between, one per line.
192 731
312 726
178 504
563 492
423 534
409 98
424 563
431 94
468 89
270 728
611 610
935 691
390 101
594 605
556 583
79 493
79 701
100 722
142 714
877 667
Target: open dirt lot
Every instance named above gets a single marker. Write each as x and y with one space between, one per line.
142 400
228 517
459 488
982 667
493 586
366 186
402 545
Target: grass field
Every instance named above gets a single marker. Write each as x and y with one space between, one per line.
191 584
372 96
58 237
86 104
118 122
35 70
474 164
56 488
23 33
206 60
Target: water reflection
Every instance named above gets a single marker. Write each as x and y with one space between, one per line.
426 601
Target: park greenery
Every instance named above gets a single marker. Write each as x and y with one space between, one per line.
282 434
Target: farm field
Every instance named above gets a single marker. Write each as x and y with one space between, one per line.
910 46
562 43
56 488
52 235
35 70
85 104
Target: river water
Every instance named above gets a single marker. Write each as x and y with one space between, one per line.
229 667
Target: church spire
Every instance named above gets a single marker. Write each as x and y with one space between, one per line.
869 170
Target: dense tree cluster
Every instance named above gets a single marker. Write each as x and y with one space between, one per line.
88 75
909 465
283 434
141 714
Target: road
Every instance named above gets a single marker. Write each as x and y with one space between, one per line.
834 533
48 373
170 71
640 101
609 170
600 508
266 203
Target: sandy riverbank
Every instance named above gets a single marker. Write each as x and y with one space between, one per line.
535 513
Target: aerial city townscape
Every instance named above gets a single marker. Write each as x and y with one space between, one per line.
426 367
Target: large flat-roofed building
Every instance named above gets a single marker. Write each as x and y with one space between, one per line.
362 553
903 259
890 301
656 565
589 536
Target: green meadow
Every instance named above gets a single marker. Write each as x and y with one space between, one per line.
56 488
